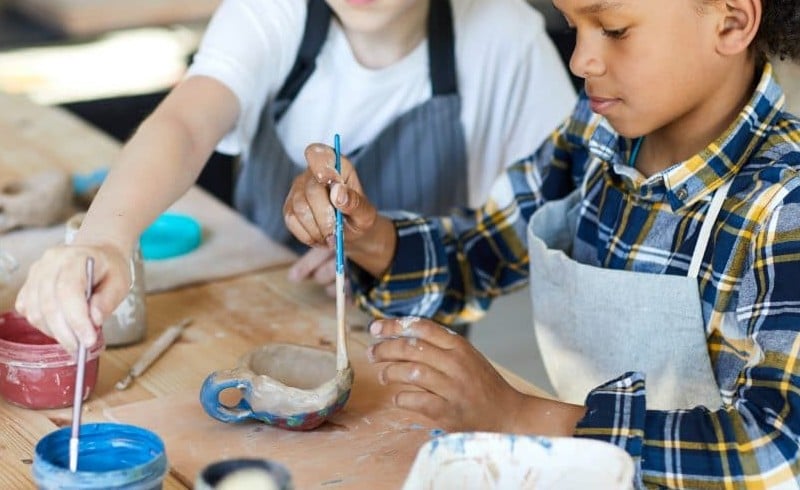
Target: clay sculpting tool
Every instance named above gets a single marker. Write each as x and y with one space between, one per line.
156 349
341 340
77 403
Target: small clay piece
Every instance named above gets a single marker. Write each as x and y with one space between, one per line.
40 200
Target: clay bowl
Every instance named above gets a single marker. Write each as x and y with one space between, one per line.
290 386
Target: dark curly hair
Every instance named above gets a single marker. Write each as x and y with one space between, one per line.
779 32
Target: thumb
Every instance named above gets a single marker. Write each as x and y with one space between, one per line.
361 214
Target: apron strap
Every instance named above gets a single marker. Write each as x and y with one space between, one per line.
441 48
318 20
441 51
705 230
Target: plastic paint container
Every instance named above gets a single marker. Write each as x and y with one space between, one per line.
35 371
118 456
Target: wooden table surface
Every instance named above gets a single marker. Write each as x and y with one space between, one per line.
369 444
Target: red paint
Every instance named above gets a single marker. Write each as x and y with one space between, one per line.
35 371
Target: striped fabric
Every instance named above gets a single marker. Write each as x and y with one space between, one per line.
450 268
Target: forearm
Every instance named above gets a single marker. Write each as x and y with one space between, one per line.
153 170
159 163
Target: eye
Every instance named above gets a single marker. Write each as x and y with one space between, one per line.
615 33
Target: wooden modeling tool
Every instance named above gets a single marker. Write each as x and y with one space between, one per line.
156 349
77 403
341 339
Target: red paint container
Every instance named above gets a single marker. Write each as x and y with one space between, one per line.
35 371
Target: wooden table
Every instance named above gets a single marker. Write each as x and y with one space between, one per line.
369 444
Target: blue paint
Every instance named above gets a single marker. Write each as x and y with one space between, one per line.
339 224
110 456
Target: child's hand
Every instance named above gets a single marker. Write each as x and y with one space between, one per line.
309 207
318 264
308 211
446 378
53 298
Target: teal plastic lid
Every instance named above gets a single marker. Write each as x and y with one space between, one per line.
170 235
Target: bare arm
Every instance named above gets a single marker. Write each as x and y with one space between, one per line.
160 162
154 169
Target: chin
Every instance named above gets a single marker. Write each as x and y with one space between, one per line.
627 128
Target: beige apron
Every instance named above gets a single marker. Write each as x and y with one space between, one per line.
595 324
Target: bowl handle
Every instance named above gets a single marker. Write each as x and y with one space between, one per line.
221 380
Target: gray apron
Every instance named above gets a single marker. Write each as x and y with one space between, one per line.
418 162
594 324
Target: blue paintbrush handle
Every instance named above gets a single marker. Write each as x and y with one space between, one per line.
339 225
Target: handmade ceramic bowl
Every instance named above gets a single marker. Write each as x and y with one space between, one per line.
290 386
484 461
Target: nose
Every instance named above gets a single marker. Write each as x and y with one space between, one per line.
586 60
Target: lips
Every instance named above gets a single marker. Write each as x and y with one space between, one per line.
602 105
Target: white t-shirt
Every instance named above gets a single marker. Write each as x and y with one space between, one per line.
514 88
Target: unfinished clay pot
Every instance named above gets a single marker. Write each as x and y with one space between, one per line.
290 386
42 199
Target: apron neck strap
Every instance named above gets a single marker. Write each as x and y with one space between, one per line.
705 230
441 48
318 20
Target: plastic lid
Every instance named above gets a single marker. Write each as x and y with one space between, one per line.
170 235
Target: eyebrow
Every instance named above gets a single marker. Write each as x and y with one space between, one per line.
598 7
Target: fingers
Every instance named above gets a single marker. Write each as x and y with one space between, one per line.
53 298
419 328
308 212
321 161
429 404
345 191
318 263
48 302
361 214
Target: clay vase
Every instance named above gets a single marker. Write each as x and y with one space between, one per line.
290 386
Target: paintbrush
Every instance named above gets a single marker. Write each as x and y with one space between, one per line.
341 340
77 403
161 344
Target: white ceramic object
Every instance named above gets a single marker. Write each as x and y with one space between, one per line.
484 461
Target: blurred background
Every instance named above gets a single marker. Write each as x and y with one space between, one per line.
110 62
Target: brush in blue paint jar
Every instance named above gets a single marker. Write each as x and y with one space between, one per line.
111 456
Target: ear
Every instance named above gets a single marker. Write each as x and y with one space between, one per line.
738 26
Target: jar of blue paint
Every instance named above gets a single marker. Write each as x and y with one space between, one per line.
110 456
